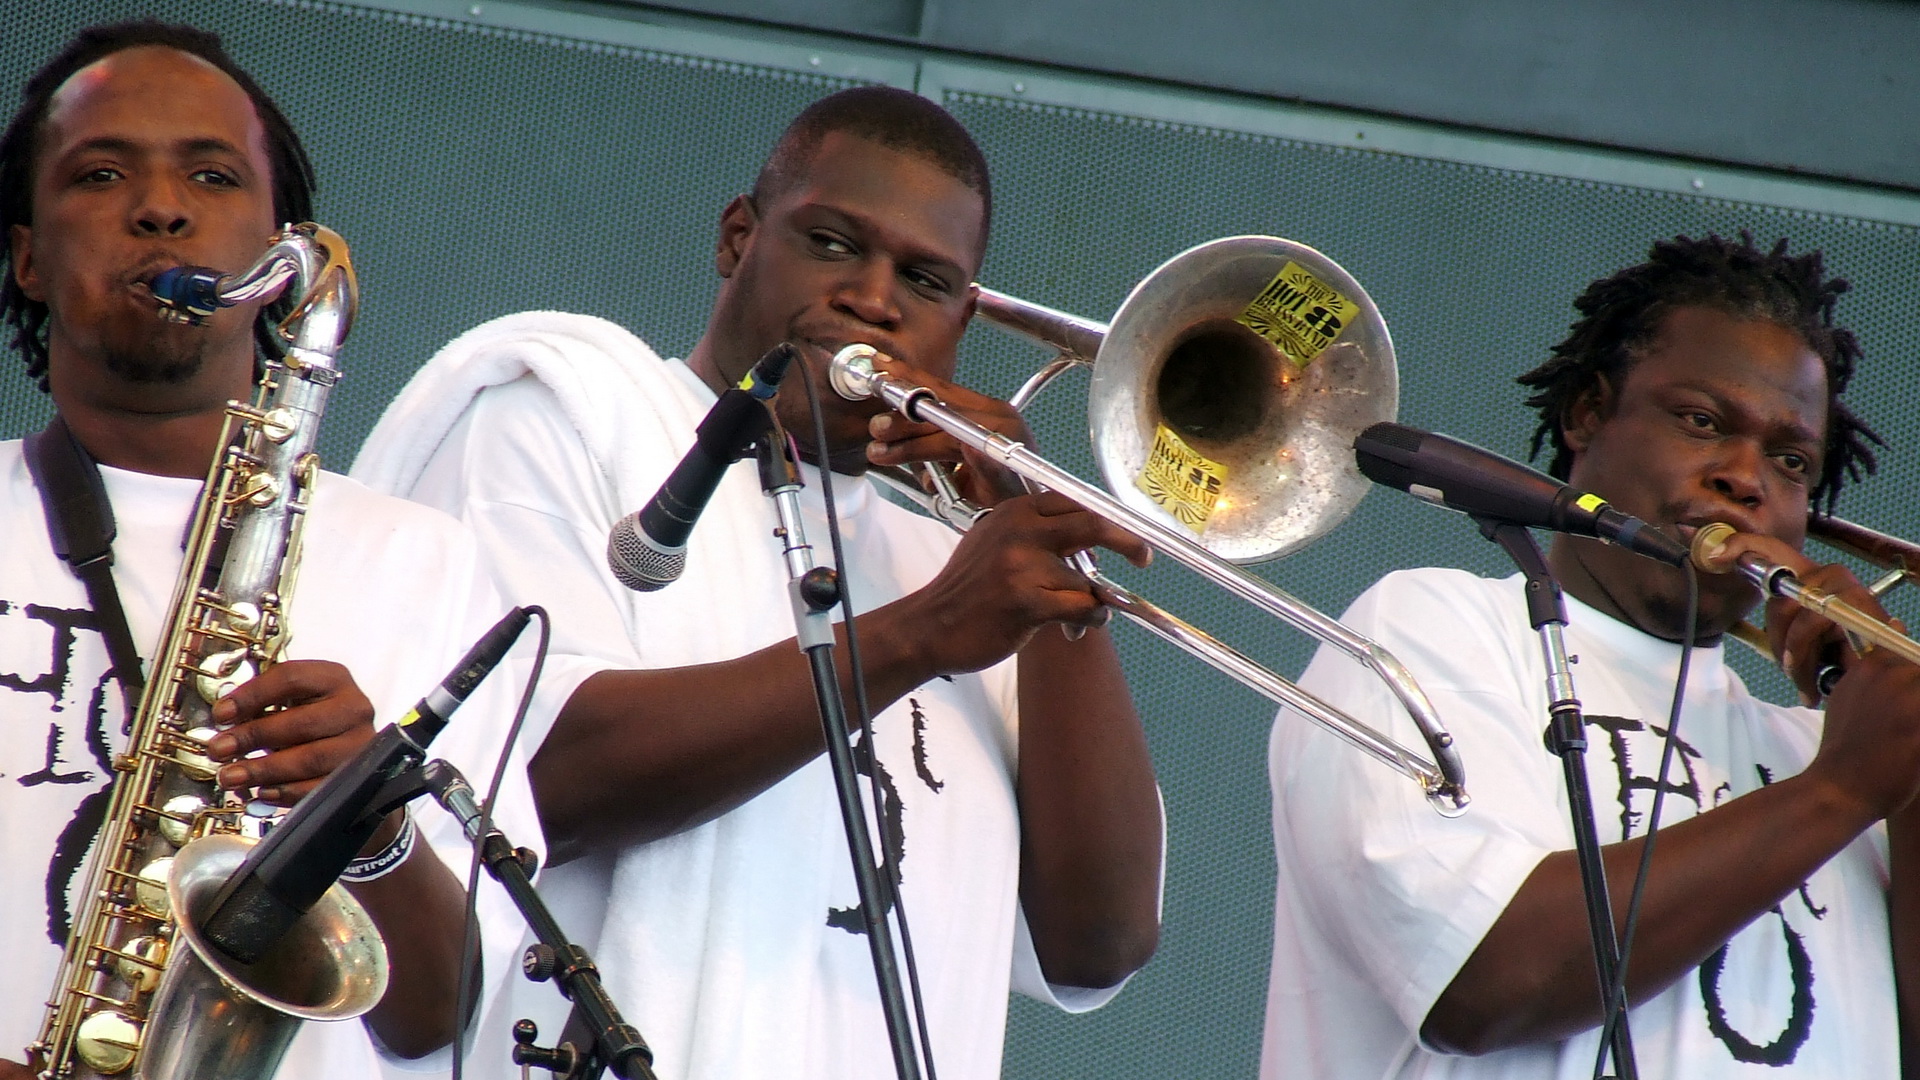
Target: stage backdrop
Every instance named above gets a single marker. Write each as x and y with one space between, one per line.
486 158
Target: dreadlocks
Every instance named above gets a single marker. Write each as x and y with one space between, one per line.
1622 314
292 180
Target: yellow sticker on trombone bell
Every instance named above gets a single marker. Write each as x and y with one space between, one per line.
1181 479
1299 313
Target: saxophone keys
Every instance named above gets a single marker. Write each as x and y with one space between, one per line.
244 617
276 425
279 424
219 674
257 489
150 888
107 1041
182 813
141 962
189 753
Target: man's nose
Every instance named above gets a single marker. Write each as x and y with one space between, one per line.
161 209
1738 472
867 293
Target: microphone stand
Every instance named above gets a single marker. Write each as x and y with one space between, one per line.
596 1038
813 591
1566 739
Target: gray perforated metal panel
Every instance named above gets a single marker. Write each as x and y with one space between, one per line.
480 170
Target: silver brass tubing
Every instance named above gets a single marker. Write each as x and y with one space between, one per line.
289 257
1230 661
1775 580
1071 334
854 377
1038 381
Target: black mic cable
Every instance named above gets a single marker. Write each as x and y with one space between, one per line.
863 710
470 933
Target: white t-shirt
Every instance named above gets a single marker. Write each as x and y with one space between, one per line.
1381 900
731 945
389 589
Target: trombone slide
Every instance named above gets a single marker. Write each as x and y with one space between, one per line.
854 377
1776 580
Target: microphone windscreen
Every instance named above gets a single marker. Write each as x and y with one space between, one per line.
637 562
1382 452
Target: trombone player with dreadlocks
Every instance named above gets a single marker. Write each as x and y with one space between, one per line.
1778 927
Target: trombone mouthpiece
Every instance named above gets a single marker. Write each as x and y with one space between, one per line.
851 372
1706 546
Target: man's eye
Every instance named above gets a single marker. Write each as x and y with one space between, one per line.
101 175
930 282
215 177
1699 420
830 243
1795 463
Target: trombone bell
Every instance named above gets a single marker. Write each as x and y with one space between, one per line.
1228 391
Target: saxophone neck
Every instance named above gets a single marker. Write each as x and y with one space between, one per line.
309 262
326 292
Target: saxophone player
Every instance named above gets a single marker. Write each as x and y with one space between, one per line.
140 147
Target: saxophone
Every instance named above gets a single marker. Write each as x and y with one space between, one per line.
136 986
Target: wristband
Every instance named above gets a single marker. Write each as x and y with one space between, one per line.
387 859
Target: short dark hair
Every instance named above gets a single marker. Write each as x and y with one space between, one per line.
898 119
292 179
1622 314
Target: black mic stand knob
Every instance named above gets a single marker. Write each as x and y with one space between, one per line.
539 963
820 588
561 1061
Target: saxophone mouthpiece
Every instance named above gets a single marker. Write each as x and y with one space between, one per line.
187 294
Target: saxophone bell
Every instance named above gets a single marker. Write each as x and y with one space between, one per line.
213 1016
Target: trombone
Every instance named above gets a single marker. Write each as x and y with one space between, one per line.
1898 557
1223 407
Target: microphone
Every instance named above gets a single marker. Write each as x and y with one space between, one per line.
1460 476
647 549
285 874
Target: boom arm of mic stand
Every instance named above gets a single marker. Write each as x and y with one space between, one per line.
617 1045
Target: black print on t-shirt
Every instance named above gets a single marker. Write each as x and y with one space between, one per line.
893 841
77 836
1783 1048
1687 786
65 624
920 749
50 772
893 835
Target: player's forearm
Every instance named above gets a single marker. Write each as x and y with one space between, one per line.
419 908
639 755
1089 814
1532 977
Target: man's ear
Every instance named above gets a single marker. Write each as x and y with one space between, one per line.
25 274
1581 421
737 224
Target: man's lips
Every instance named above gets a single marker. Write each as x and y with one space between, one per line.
1686 525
